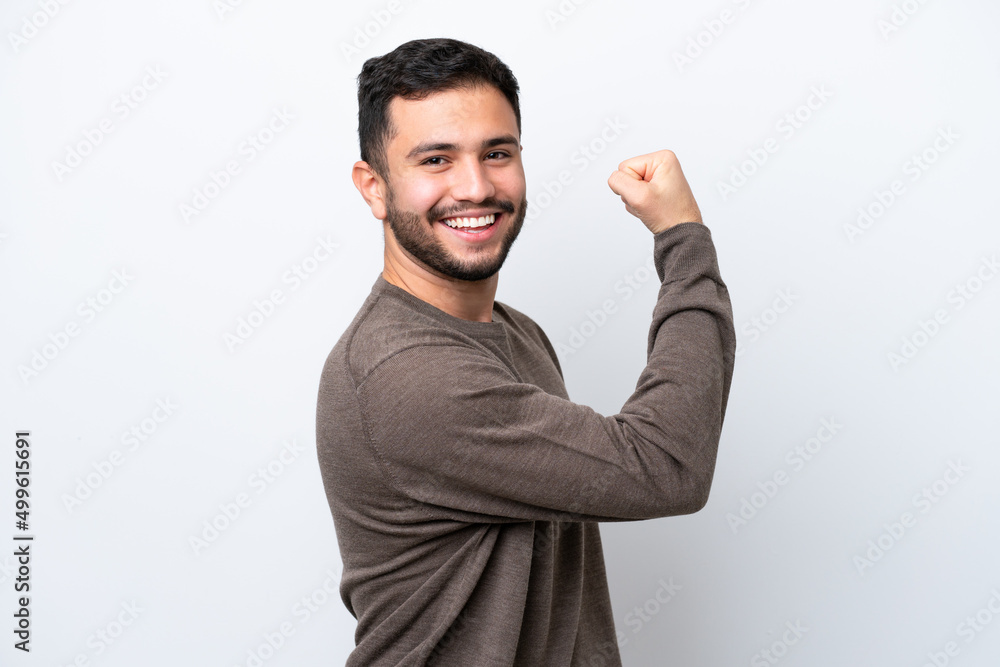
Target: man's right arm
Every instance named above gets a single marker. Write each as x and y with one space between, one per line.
457 432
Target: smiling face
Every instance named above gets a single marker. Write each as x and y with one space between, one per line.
455 154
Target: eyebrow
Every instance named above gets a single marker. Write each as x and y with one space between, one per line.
430 147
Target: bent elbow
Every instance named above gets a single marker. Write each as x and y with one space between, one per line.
687 495
704 489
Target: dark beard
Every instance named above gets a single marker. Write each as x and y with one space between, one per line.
414 235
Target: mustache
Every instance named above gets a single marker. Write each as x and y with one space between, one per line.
502 204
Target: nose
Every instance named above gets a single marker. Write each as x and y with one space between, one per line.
472 182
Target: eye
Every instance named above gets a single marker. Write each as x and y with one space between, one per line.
500 154
433 164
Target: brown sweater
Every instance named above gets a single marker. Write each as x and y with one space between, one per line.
466 487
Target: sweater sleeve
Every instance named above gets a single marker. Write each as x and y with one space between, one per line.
457 432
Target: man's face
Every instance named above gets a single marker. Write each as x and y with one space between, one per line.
456 153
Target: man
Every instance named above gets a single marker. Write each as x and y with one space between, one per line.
465 486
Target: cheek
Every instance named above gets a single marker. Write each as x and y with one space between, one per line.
511 181
422 195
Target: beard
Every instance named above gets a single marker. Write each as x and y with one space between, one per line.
415 235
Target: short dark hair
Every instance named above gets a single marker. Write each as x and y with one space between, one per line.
413 71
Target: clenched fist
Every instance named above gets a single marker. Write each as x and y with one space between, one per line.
654 190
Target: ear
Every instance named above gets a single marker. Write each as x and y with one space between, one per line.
371 187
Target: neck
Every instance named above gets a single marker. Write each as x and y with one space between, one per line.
467 300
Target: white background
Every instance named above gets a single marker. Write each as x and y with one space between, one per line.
817 551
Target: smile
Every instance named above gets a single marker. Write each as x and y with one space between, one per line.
470 223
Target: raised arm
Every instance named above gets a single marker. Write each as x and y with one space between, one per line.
458 432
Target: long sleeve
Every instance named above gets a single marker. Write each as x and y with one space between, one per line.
456 430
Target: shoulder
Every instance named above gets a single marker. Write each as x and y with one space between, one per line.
517 320
384 327
525 328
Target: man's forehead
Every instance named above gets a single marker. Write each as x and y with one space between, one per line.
446 116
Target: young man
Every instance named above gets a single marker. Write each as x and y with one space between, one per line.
465 486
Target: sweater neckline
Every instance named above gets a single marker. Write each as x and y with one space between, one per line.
494 328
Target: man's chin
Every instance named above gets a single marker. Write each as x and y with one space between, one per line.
477 275
430 249
464 272
437 261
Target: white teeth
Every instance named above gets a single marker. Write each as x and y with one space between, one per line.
471 222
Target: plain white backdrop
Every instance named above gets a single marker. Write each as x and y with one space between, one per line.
181 246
